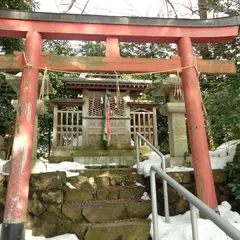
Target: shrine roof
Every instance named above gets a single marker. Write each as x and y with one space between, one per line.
119 20
75 83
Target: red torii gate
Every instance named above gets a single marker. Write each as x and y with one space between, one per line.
37 26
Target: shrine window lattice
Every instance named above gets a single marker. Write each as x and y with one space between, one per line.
96 104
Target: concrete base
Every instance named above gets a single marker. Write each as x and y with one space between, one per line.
2 154
105 160
177 161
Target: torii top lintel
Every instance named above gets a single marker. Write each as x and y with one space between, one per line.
126 29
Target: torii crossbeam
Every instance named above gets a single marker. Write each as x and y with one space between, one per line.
35 26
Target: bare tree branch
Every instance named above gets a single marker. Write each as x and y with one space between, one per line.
70 6
85 6
173 8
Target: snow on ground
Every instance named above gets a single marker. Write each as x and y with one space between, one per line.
145 196
180 226
219 159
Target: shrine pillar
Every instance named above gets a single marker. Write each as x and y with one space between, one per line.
18 185
174 109
197 133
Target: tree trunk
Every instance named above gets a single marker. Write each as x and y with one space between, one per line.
208 122
206 54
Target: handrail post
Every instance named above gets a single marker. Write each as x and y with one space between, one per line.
194 222
165 195
165 187
154 204
137 152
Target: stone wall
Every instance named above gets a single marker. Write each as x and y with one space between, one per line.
55 209
179 205
49 196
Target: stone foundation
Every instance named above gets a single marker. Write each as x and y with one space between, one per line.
55 209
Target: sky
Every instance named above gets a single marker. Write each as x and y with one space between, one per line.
140 8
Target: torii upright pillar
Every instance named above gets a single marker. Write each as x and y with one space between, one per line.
197 133
18 185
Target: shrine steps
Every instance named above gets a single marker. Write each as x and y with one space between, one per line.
106 204
103 203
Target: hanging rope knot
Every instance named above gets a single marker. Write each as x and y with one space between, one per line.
117 90
45 79
195 65
27 64
178 87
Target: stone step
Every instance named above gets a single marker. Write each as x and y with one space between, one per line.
110 193
106 211
105 179
108 171
124 230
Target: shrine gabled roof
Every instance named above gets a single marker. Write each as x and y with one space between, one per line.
75 83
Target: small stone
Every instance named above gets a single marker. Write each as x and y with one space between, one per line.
102 182
50 225
113 181
79 196
53 209
52 197
80 182
1 143
80 229
130 179
139 209
181 177
50 181
2 178
107 194
129 230
220 176
104 213
73 211
35 207
6 166
3 191
29 221
131 192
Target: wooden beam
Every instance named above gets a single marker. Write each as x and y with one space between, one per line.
18 28
13 63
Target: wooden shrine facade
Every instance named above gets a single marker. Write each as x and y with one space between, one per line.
78 122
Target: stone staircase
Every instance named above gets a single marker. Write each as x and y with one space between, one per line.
107 205
101 203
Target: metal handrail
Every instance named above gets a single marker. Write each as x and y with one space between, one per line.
224 225
165 191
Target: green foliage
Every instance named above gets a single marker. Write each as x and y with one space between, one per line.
223 105
233 170
8 45
7 113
